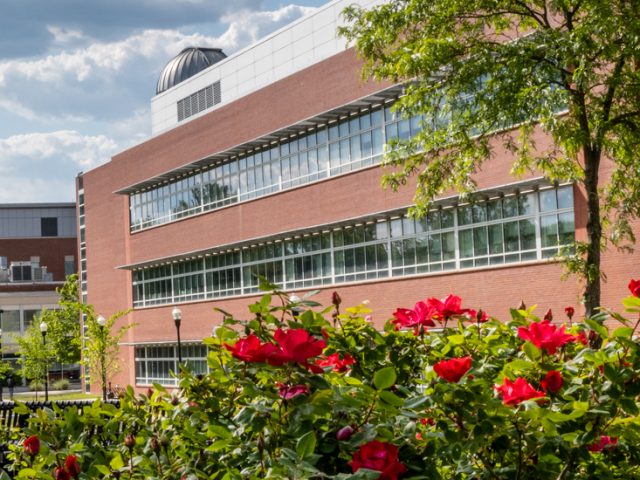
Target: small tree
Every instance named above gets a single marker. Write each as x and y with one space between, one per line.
34 353
101 353
475 67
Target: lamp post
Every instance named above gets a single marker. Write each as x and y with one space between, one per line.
176 313
43 330
101 321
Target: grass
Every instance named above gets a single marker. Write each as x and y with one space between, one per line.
31 396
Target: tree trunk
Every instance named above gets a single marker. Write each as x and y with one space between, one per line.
594 231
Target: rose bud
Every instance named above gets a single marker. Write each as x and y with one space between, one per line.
155 444
522 306
129 441
570 311
61 474
335 299
72 466
548 315
344 433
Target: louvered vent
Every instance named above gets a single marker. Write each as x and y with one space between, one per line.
199 101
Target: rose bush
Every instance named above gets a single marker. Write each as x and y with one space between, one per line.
296 391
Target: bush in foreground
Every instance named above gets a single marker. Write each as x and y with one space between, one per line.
442 392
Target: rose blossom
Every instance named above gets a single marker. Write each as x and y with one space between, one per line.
447 307
420 315
291 391
634 287
569 311
32 445
334 361
552 382
604 443
379 456
516 392
295 345
248 349
72 466
61 474
453 370
546 336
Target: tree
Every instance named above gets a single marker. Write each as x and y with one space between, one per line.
101 346
34 353
63 324
472 68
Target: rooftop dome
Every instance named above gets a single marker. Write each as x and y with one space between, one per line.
186 64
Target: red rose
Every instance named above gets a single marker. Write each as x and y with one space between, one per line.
516 392
420 315
582 338
447 307
546 336
248 349
72 466
296 345
453 370
634 287
427 421
61 474
605 443
289 392
552 382
569 311
334 361
379 456
32 445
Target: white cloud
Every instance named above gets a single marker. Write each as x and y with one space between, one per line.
104 86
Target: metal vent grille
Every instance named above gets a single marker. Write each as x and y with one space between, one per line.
199 101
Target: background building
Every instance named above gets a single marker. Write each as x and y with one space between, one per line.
267 163
38 249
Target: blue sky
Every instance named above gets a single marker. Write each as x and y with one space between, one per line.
77 76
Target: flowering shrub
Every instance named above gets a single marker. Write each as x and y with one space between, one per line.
300 392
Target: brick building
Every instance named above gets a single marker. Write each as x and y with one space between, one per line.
267 163
38 249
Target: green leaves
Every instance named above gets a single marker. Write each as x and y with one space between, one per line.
384 378
306 444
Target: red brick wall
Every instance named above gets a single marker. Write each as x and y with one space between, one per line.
50 250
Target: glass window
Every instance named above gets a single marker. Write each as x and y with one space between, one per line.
549 230
548 201
565 197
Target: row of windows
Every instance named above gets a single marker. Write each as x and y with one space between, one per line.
528 226
157 364
336 148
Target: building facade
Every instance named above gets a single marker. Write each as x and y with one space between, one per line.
267 163
38 249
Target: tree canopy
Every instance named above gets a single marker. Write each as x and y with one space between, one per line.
485 74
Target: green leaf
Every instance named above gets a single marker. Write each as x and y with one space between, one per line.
622 332
391 399
384 378
456 339
597 327
531 351
306 444
629 406
116 462
103 469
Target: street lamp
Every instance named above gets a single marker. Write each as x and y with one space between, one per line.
43 330
101 321
176 313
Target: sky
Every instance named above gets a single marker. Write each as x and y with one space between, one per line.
77 77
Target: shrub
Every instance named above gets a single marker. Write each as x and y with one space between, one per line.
442 392
36 385
62 384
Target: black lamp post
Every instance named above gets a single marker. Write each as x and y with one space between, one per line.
176 313
101 321
43 330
